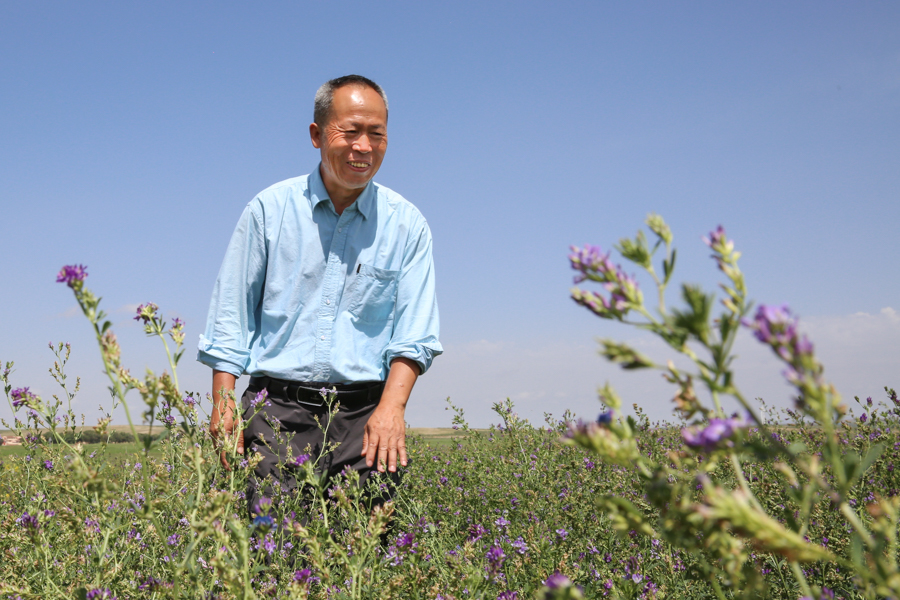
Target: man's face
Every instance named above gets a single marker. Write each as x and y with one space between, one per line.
353 142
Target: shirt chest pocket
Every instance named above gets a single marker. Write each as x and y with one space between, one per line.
373 294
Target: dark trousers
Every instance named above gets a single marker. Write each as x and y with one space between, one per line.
288 422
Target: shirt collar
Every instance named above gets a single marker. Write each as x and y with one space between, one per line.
317 194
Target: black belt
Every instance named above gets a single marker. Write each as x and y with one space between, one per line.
309 393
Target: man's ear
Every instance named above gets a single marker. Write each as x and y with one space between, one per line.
315 135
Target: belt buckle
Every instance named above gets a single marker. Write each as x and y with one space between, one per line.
299 401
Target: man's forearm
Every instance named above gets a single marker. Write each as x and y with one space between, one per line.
400 381
223 395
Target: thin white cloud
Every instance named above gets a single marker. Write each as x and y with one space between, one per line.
69 313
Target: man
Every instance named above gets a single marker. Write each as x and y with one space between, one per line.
328 282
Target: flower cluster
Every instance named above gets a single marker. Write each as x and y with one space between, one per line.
718 433
260 400
305 576
777 327
72 275
176 331
23 397
495 558
146 312
624 293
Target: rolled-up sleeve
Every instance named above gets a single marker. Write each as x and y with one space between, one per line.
234 310
416 323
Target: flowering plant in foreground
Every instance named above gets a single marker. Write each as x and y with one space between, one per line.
505 513
701 493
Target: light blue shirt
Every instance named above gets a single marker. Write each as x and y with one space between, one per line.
309 295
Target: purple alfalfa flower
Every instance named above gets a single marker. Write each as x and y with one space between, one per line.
501 522
100 594
177 323
91 525
495 559
260 400
869 401
863 418
48 464
22 397
305 576
29 522
778 327
300 460
407 542
173 539
508 595
146 312
557 580
269 544
262 506
562 533
519 545
476 531
590 259
716 434
71 275
605 418
154 584
715 238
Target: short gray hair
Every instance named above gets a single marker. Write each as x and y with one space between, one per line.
325 95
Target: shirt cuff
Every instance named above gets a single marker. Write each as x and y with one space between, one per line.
422 354
222 359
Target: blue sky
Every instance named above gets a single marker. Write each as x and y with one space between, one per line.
132 135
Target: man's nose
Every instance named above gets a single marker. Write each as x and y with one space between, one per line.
363 144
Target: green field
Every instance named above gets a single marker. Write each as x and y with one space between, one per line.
436 437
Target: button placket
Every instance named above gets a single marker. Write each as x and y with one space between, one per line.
333 281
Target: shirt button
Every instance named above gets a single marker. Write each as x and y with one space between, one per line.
327 300
340 229
322 338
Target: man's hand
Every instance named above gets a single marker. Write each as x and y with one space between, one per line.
221 421
385 436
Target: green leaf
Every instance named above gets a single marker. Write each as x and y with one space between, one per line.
81 594
624 355
671 267
635 250
851 467
797 448
856 550
872 455
695 320
658 226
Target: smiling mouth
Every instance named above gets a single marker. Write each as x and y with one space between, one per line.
358 165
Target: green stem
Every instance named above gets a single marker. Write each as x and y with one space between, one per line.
717 588
801 578
172 365
857 524
742 481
